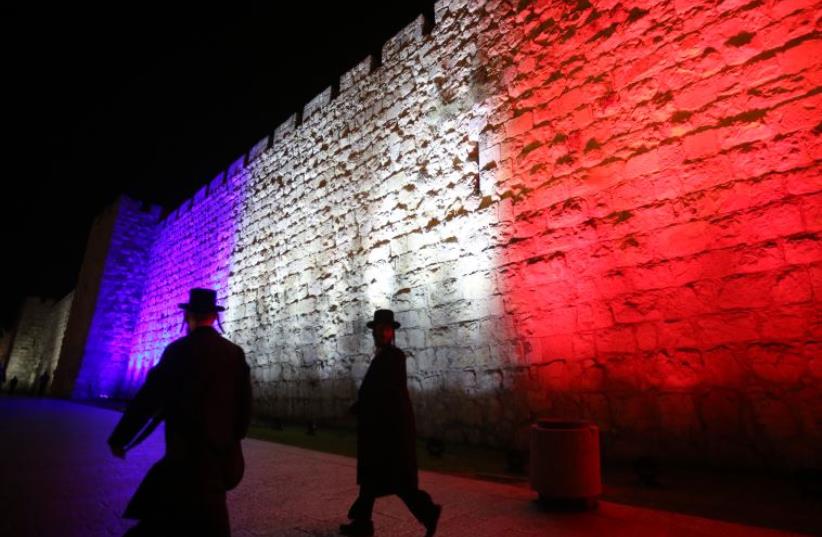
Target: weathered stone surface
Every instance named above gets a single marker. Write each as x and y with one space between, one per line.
586 211
28 357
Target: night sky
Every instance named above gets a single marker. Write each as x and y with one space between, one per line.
150 103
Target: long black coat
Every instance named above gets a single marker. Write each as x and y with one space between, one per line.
386 433
201 388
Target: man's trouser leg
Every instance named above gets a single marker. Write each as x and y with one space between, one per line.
215 519
419 503
363 506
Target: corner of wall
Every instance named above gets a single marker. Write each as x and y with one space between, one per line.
236 167
258 149
355 75
285 128
316 104
405 37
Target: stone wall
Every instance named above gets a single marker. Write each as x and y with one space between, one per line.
192 249
119 296
577 209
371 202
580 210
41 326
28 355
106 300
658 170
85 299
52 338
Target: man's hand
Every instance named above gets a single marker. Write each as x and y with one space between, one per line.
118 451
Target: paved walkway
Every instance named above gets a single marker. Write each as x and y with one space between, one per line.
58 479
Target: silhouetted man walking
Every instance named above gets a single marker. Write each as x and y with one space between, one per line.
386 436
201 388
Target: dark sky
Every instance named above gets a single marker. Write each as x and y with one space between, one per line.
152 103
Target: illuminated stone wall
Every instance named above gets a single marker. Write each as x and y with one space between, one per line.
52 337
119 296
659 164
577 209
193 248
36 344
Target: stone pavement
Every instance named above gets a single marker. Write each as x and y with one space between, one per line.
58 479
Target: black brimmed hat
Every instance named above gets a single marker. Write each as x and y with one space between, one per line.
383 317
202 301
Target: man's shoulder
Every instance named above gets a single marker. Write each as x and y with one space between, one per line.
230 348
191 341
176 345
174 353
224 340
236 348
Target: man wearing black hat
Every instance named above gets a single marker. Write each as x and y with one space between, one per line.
201 388
386 436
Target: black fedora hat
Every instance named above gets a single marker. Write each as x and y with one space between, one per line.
383 317
202 301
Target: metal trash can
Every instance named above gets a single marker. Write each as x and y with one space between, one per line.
564 463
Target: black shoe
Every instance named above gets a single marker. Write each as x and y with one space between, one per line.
431 525
357 528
